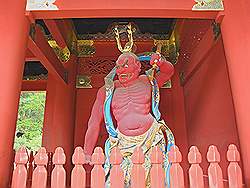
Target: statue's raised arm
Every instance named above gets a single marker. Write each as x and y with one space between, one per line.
166 69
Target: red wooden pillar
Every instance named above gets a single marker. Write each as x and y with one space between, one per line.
235 32
58 129
14 32
179 119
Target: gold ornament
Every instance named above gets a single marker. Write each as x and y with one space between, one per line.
63 54
208 5
129 45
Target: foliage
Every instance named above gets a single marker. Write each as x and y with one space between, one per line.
30 120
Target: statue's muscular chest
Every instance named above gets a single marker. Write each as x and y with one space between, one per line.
138 93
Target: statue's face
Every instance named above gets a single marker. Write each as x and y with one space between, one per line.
128 68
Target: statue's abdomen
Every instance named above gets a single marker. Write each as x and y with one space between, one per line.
131 107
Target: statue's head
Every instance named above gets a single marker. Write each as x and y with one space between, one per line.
128 67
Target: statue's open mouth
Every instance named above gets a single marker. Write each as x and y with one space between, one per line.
126 76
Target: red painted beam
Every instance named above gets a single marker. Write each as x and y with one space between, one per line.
118 9
30 56
199 54
53 27
179 29
125 13
103 49
34 85
41 49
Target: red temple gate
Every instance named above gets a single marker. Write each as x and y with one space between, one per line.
208 101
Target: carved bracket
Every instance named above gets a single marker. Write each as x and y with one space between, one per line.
83 81
63 54
85 48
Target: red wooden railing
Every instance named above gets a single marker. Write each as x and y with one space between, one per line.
40 178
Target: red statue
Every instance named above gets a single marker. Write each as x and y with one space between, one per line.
131 103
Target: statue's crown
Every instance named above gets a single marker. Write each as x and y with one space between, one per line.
129 45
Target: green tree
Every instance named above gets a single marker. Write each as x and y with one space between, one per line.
30 120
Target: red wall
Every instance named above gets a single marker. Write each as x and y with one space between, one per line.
84 102
209 107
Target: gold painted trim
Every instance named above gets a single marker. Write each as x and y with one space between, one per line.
83 81
85 42
167 84
36 77
85 48
208 5
81 48
63 54
41 5
168 48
